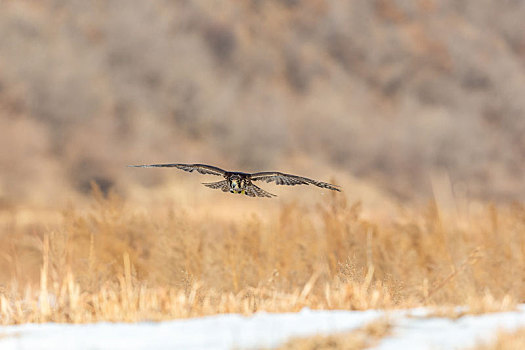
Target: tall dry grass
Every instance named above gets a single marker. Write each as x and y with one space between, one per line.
118 260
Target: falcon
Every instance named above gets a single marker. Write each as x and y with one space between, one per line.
242 183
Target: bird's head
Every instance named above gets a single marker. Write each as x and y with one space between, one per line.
235 183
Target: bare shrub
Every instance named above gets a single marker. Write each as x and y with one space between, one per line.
388 91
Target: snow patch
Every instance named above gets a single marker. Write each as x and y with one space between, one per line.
411 330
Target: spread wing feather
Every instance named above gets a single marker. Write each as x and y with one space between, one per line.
290 180
254 191
223 185
200 168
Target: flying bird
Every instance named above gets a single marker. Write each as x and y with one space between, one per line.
238 182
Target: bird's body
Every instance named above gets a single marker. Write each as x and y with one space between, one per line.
239 182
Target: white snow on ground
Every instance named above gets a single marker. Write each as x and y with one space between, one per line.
411 330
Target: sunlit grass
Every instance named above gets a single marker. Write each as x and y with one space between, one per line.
121 261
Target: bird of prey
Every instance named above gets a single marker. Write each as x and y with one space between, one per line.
238 182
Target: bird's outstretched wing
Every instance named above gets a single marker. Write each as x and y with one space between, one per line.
254 191
223 185
201 168
291 180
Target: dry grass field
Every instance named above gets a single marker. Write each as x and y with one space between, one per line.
129 260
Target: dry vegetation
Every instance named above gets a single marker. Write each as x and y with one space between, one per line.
383 90
382 94
119 260
505 341
363 338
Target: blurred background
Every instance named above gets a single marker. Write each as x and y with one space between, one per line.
382 93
